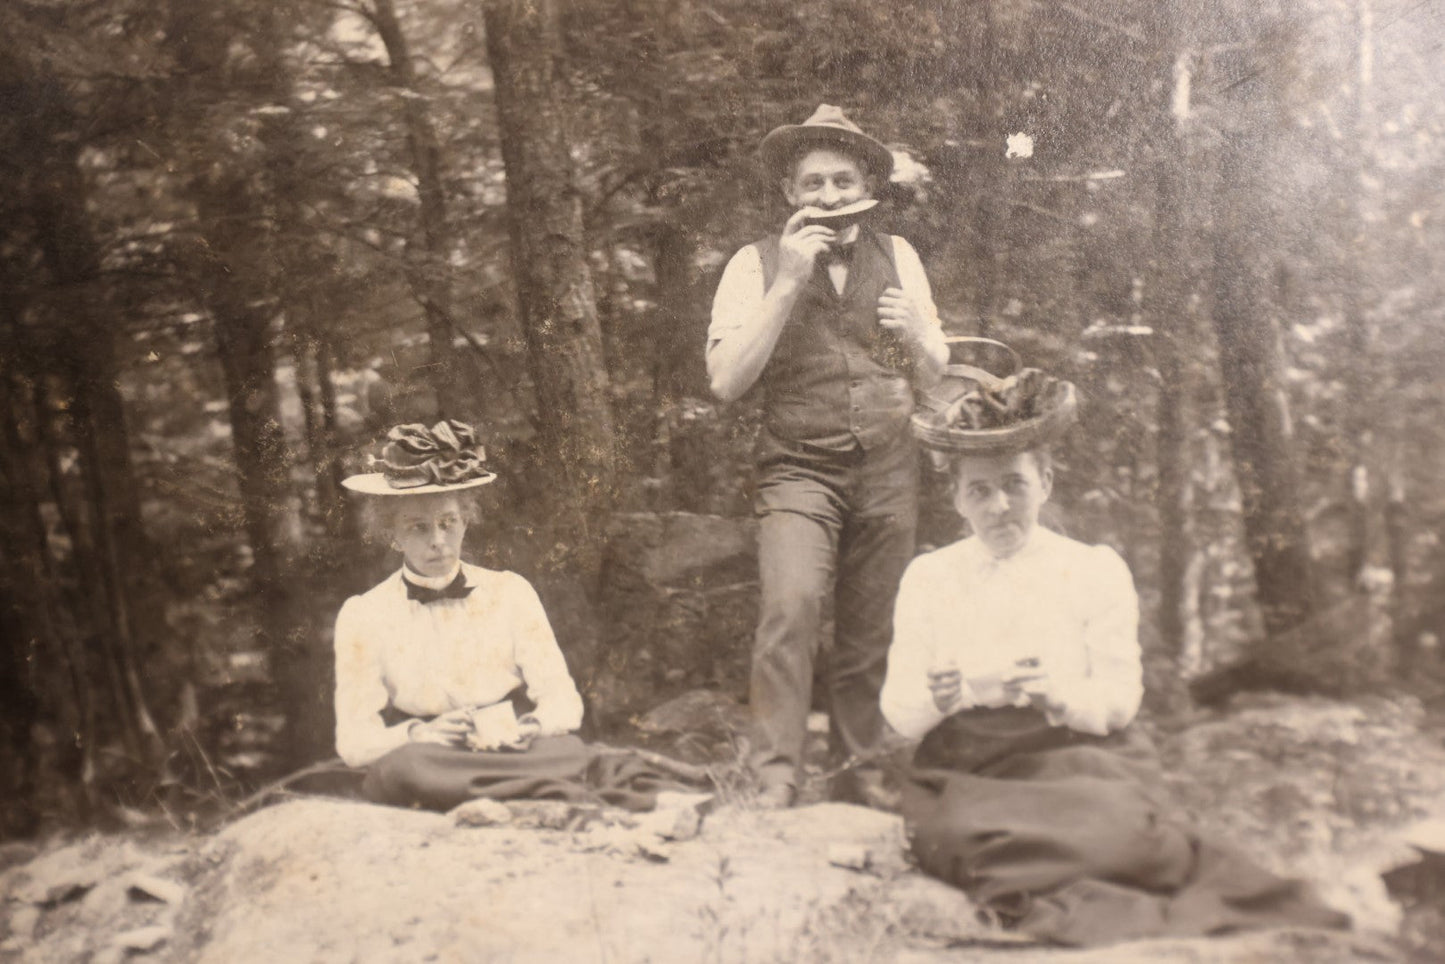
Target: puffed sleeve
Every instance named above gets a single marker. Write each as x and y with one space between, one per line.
540 660
905 699
361 736
1107 698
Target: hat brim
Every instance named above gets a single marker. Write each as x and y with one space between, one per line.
1032 433
782 144
375 483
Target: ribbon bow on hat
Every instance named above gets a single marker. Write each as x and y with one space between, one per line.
420 460
445 454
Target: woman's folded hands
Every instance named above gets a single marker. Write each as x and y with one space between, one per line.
463 728
447 729
1026 679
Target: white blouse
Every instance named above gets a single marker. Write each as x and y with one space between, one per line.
427 659
1070 606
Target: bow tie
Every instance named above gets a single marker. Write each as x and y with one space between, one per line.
456 589
837 254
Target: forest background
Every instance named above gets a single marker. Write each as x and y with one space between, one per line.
240 238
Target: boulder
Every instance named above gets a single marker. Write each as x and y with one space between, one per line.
323 880
482 812
679 605
705 713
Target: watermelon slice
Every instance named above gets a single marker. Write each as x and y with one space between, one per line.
840 218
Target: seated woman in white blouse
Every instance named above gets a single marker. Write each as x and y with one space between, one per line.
1016 615
1016 660
429 661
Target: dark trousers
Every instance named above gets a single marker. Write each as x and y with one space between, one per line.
831 522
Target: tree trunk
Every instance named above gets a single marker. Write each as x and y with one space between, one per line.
44 660
237 206
263 464
134 625
990 251
428 273
1362 371
1250 358
549 254
1176 340
1397 542
337 509
678 369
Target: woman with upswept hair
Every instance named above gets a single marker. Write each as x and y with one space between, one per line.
1015 661
449 682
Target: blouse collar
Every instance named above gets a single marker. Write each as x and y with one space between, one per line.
430 582
986 562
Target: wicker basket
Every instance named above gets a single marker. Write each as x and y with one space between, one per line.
930 425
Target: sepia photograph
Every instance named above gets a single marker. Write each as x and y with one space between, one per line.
722 481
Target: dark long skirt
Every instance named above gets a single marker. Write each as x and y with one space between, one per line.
1073 839
436 777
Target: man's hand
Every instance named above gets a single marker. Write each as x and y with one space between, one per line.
449 729
800 247
946 685
898 313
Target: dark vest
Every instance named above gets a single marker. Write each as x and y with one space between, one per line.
836 378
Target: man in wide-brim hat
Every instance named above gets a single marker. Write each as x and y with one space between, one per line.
835 324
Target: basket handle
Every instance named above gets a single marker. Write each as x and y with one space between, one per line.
984 377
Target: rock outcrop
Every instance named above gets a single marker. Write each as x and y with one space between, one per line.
1312 787
679 604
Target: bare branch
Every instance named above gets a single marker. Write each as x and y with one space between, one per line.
1097 21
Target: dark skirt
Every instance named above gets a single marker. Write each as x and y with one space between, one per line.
1073 839
435 777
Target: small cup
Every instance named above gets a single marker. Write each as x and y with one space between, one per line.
987 688
496 725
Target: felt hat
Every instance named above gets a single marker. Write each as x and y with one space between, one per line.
417 460
828 127
973 411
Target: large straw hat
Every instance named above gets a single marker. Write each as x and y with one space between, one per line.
827 127
417 460
972 411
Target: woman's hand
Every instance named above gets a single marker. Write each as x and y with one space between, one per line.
528 729
1034 683
946 685
448 729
